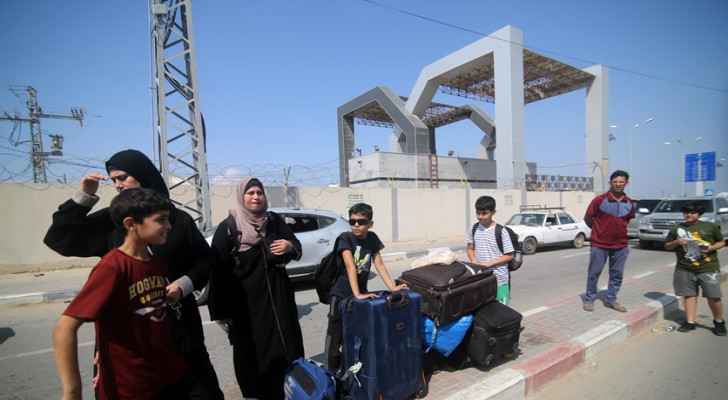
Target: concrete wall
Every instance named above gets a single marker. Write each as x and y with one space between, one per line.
26 216
400 214
383 169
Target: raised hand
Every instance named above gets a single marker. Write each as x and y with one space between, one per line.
90 182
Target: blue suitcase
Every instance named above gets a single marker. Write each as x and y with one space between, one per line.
382 346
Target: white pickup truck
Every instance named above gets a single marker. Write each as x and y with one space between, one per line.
548 227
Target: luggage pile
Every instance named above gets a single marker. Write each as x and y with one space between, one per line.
449 309
451 293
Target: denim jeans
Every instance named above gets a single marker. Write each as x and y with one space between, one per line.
597 259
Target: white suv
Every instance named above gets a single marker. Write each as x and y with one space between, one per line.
316 230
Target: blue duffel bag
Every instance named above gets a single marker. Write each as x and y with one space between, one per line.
446 337
308 380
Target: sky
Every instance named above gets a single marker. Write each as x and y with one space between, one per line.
272 73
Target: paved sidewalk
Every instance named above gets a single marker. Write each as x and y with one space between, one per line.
558 337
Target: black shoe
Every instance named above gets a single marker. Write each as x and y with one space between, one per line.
615 306
686 327
719 328
424 388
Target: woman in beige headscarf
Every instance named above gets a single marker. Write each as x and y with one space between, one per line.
251 294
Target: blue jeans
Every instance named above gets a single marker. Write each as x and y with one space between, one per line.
597 258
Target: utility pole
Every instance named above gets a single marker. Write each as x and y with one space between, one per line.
179 129
38 157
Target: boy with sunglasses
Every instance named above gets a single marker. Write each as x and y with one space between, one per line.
359 249
696 243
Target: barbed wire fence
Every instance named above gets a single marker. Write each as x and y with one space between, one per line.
68 171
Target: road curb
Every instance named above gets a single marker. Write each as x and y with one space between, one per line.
406 255
38 297
529 376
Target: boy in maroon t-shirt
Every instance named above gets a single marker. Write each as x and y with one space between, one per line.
125 296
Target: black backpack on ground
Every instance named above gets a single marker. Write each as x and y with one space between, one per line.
517 260
326 274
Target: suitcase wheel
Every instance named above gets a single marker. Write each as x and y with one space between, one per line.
491 341
489 360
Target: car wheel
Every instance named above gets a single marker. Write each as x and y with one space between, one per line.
579 241
644 244
529 245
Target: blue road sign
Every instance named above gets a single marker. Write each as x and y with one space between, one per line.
707 166
700 167
691 167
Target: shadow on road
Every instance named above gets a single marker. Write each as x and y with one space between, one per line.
305 309
670 309
5 334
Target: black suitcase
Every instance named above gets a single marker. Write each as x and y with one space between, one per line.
495 334
450 291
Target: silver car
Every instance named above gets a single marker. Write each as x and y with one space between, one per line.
644 208
653 229
317 231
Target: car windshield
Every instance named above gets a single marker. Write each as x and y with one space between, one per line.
674 206
648 204
526 219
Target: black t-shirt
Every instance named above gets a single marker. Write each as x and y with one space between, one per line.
363 251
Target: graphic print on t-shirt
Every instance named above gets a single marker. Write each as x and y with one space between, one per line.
694 247
147 297
363 263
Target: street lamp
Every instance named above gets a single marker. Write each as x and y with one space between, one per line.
631 138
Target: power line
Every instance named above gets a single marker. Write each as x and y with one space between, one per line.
562 165
75 164
14 150
543 50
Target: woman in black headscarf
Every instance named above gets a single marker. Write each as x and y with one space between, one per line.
75 232
251 295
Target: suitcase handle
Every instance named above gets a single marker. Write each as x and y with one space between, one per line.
397 299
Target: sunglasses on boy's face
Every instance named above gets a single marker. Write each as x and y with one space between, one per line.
360 222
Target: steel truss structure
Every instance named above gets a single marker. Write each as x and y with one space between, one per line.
179 128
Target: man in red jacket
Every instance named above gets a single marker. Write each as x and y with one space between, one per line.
608 216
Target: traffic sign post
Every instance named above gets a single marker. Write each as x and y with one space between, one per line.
699 168
707 166
691 167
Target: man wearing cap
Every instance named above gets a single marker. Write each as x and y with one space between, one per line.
607 216
696 243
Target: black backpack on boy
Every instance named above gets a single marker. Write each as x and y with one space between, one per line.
325 276
517 260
